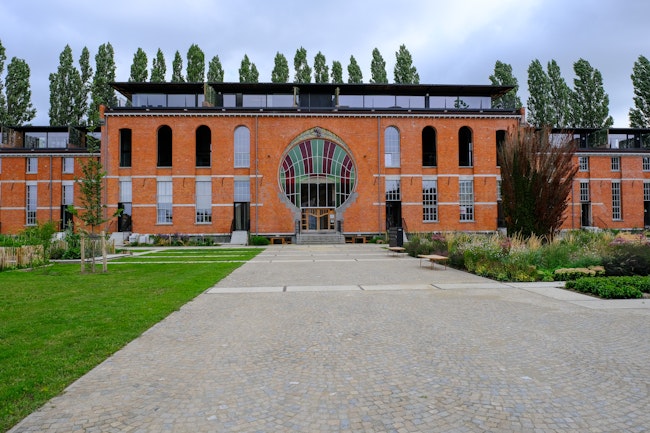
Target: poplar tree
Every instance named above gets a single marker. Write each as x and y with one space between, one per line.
66 92
158 68
378 68
19 94
3 100
640 114
559 97
405 72
86 72
280 73
301 67
215 70
539 90
177 69
354 72
195 64
337 72
536 181
139 72
102 92
321 70
590 105
502 76
248 71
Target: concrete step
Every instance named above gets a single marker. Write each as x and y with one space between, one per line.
320 238
239 237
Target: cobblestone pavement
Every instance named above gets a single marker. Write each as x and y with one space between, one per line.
348 339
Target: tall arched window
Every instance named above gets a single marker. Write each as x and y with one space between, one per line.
242 147
465 147
391 147
203 146
429 147
164 146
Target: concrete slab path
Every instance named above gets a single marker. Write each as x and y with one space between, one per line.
349 339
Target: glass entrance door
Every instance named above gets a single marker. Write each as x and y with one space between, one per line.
318 219
317 200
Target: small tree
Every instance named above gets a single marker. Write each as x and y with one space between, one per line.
195 64
19 95
139 70
590 105
640 114
215 70
378 68
321 70
280 73
248 71
177 68
503 76
405 72
158 68
354 72
337 72
536 179
303 71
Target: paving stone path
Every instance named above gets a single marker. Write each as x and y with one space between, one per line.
349 339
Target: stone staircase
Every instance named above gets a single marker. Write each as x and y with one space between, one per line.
319 238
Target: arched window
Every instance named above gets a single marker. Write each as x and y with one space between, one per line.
501 137
391 147
465 147
242 147
429 147
203 146
164 146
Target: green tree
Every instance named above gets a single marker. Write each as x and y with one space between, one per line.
248 71
640 114
321 70
86 72
177 69
590 106
337 72
301 67
195 64
102 92
378 68
539 91
559 98
405 72
354 72
3 100
19 94
139 71
215 70
280 73
158 68
503 76
536 181
66 92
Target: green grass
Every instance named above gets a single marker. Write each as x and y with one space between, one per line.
57 324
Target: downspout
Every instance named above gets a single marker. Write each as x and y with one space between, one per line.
378 174
51 193
257 207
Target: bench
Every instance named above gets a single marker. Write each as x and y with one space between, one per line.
396 251
275 240
433 258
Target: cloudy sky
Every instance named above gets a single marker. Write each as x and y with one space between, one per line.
451 42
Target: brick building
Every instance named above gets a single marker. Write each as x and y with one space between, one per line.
290 160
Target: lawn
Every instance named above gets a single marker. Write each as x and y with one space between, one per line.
57 324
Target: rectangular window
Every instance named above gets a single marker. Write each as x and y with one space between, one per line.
242 147
646 191
392 147
31 205
646 163
393 190
616 201
32 165
242 191
429 200
616 163
499 196
584 192
203 201
67 198
584 163
126 191
164 202
466 200
68 165
125 148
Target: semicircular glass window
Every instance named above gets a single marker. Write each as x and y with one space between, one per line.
317 173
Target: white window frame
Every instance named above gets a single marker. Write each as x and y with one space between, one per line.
584 191
126 191
429 200
646 191
67 194
203 210
31 205
583 162
393 190
646 163
392 147
68 164
617 205
242 147
616 163
242 191
466 199
32 165
164 202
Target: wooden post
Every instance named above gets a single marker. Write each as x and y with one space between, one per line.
104 253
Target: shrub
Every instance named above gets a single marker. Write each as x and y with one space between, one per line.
259 240
569 274
611 287
628 259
